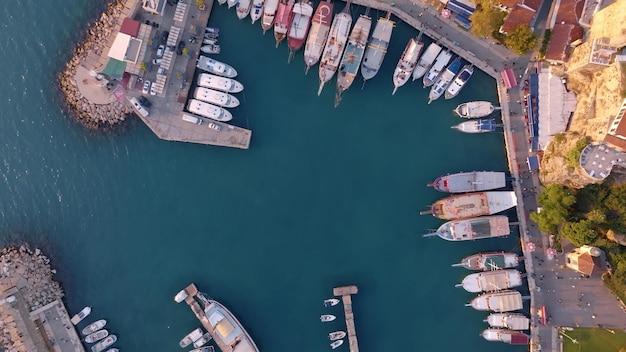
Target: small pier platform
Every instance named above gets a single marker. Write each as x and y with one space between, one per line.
346 293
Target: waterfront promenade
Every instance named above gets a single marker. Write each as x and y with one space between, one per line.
550 285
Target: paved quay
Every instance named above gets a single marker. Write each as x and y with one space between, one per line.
32 315
172 85
346 293
565 294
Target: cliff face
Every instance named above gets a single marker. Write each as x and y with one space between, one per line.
554 166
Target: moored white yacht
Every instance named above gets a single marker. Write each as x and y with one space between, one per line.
81 315
459 81
223 84
336 344
320 26
426 61
209 110
243 8
93 327
435 70
210 49
407 63
337 335
257 10
477 126
331 302
96 336
474 109
102 344
190 338
327 317
269 13
216 67
444 80
335 44
216 97
494 280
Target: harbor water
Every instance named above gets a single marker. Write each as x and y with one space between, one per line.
324 197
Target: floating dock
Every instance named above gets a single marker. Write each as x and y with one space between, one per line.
346 293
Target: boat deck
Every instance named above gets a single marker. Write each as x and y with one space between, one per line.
346 293
192 291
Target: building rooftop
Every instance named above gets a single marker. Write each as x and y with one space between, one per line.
563 35
519 16
569 11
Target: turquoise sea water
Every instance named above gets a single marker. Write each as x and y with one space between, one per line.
324 197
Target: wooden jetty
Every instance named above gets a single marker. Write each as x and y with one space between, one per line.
346 293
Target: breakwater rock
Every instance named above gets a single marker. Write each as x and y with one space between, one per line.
93 116
30 272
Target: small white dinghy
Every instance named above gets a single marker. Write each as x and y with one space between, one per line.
331 302
336 335
336 344
327 317
81 315
210 49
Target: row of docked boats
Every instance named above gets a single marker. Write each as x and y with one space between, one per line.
496 277
340 50
336 337
213 94
95 333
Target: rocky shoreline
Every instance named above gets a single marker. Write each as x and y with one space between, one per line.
31 273
93 116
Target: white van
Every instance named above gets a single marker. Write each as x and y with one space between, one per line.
139 108
192 119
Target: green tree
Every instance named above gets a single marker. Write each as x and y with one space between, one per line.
185 51
580 232
487 19
573 155
556 202
521 40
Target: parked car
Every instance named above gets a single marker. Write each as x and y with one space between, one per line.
161 70
146 87
160 50
141 110
144 101
153 90
214 126
180 47
157 61
164 36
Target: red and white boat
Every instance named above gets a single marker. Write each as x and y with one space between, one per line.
269 12
301 19
320 26
282 20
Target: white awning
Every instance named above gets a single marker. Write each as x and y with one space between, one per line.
119 47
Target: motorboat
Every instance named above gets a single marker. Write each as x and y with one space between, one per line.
210 49
223 84
437 67
327 317
474 109
209 41
494 280
190 338
513 321
96 336
93 327
102 344
477 126
337 335
426 61
209 110
180 296
214 31
203 340
257 10
216 67
225 326
81 315
243 8
444 79
336 344
331 302
215 97
459 81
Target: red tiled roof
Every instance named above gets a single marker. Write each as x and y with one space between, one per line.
562 36
533 4
518 16
569 11
130 27
588 264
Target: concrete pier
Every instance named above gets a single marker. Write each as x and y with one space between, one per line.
346 293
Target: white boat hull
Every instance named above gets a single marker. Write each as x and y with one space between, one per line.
333 50
257 10
215 97
210 111
223 84
216 67
407 63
